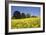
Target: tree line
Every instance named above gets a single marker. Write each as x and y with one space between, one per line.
18 15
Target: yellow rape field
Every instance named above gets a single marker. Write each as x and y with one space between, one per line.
25 23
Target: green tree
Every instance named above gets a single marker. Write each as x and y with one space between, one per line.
17 15
23 15
28 15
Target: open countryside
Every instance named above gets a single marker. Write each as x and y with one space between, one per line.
25 17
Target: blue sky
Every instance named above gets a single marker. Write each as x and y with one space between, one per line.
34 11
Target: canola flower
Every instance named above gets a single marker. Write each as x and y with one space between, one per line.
25 23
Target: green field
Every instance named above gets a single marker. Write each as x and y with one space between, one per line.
25 23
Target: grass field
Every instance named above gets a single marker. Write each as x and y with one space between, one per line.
25 23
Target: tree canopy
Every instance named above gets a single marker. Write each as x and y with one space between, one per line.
18 15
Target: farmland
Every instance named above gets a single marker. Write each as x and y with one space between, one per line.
25 23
